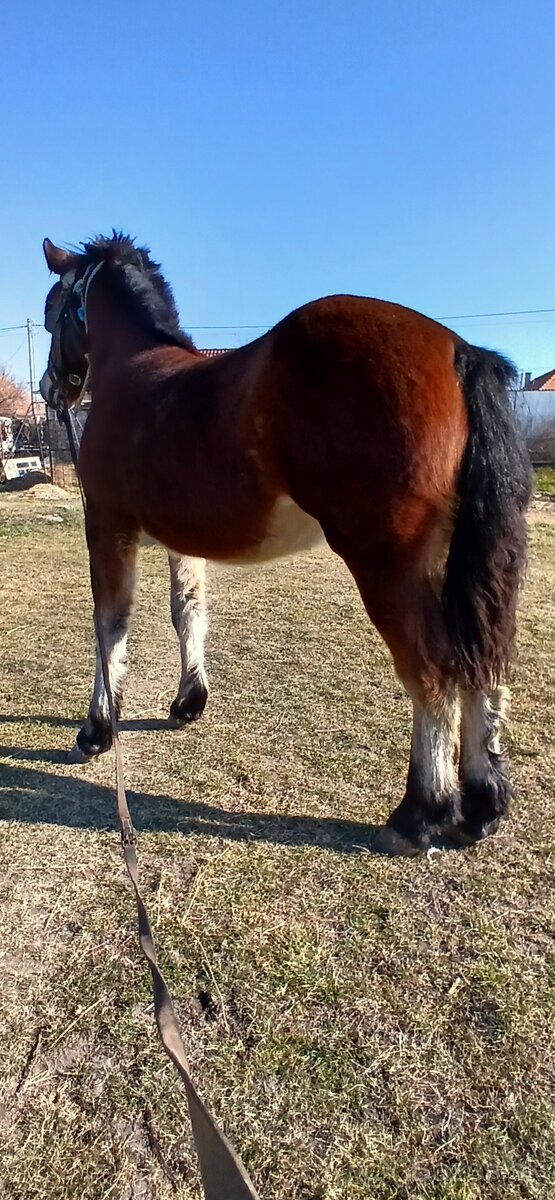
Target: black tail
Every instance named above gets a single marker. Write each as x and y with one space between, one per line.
487 554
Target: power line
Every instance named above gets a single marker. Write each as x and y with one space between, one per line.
7 361
516 312
13 328
502 324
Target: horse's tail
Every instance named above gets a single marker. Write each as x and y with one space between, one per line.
487 554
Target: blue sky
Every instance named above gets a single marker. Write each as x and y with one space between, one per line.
270 154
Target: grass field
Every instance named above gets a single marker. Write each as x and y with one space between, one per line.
364 1027
544 480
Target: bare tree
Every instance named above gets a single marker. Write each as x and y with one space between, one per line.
15 400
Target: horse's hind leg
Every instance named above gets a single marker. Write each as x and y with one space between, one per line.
486 790
188 609
430 809
408 614
112 555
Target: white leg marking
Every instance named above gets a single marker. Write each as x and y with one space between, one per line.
434 746
482 720
188 609
116 654
115 638
114 622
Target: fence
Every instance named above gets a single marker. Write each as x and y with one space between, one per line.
57 452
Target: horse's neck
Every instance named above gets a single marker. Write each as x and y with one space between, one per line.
113 334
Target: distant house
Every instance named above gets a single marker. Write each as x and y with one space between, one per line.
534 404
542 383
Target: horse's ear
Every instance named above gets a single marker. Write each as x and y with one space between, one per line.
58 260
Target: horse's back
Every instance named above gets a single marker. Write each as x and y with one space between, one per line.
344 332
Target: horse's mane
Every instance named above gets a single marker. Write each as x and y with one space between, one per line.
135 277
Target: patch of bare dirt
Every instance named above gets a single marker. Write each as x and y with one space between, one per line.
46 491
542 508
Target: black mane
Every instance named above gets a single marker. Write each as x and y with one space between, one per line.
135 277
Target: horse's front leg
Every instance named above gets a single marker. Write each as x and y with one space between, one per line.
188 609
112 557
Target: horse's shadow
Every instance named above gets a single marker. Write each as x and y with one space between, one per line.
41 797
138 725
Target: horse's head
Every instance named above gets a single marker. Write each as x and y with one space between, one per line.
64 380
131 281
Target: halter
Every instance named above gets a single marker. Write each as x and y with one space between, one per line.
77 316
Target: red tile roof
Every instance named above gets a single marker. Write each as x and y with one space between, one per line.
542 383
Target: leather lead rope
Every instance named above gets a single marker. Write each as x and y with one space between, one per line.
224 1176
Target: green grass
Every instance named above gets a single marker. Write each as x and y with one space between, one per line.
544 480
365 1029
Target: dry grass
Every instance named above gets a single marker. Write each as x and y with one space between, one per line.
363 1027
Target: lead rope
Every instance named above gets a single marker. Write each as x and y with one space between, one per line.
224 1176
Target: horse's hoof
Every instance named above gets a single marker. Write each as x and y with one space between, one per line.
77 755
467 835
388 841
457 835
189 709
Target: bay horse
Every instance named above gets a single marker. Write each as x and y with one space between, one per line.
355 421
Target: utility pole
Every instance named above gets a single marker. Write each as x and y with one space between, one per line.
31 352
